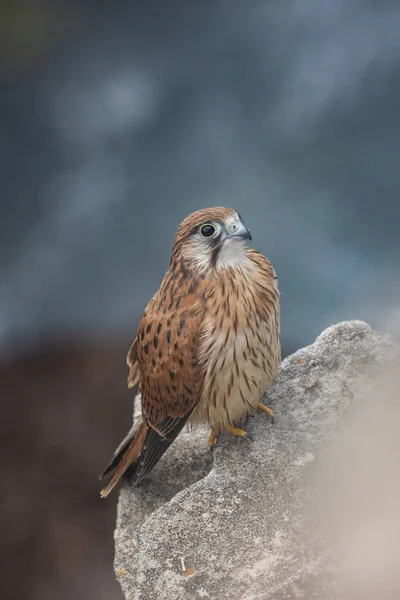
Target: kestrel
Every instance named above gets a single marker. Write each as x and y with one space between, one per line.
208 344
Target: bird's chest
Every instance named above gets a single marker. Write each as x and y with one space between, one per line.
240 351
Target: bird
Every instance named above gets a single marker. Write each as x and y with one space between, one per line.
208 343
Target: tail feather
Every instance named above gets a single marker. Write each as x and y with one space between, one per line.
119 453
126 454
156 443
154 447
142 450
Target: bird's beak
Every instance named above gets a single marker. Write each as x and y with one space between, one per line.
241 233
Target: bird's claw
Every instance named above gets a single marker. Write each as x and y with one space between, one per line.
212 440
239 433
262 408
236 431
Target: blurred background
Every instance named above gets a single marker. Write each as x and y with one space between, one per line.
117 120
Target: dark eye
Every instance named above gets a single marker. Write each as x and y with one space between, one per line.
207 230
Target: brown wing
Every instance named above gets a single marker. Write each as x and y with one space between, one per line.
170 374
164 357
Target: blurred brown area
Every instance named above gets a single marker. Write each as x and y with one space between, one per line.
64 410
30 31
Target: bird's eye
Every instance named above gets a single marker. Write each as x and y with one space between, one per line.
207 230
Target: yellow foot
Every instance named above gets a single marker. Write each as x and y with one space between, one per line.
212 439
262 408
237 431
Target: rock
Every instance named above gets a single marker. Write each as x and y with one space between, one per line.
236 529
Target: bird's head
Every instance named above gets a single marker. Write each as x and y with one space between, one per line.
212 238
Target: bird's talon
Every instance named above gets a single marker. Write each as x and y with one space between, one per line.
212 440
262 408
238 432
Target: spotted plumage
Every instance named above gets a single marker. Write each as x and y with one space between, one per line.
208 343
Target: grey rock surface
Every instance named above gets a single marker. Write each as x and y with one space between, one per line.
232 525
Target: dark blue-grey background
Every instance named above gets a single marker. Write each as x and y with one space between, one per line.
117 119
137 113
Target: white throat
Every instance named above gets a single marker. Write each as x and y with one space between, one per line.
232 254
